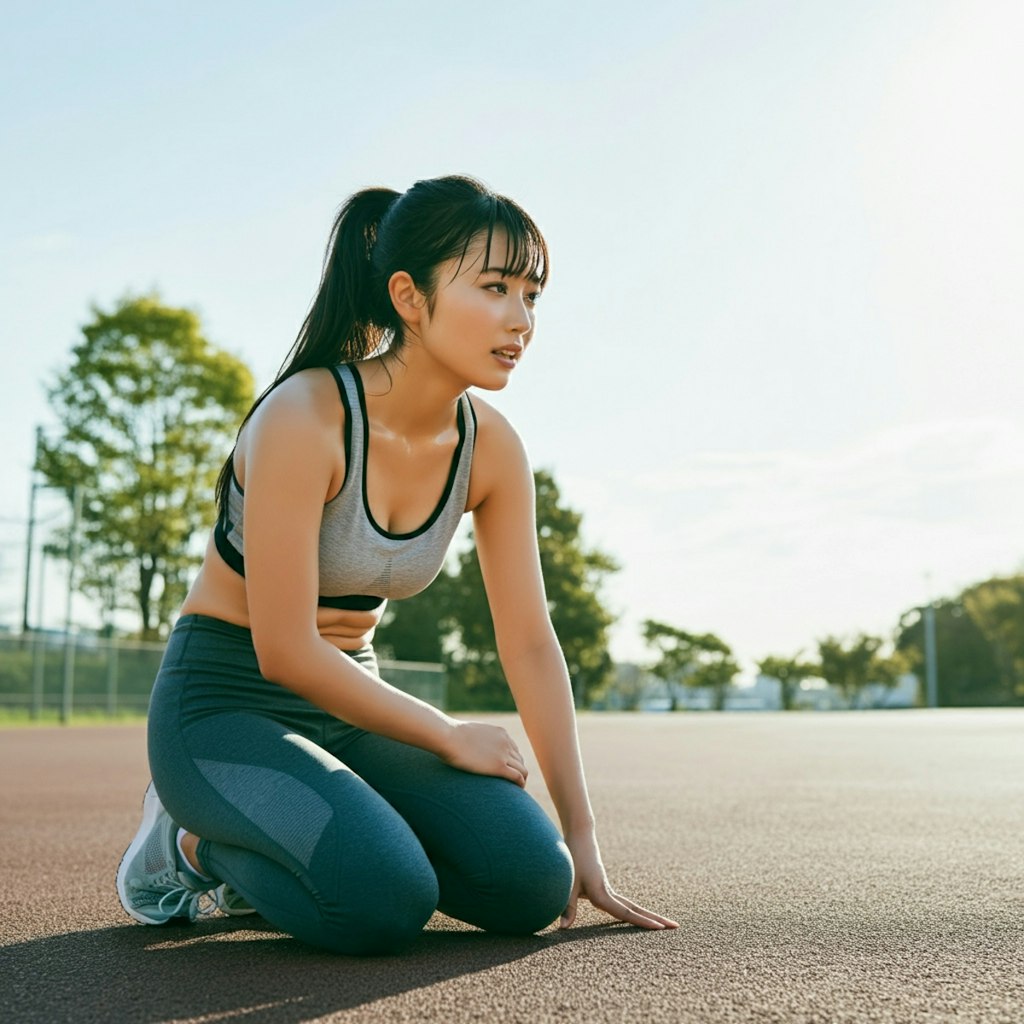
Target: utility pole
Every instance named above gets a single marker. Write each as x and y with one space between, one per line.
931 673
931 668
33 489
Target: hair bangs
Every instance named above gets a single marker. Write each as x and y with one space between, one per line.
526 252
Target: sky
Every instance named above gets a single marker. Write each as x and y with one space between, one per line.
779 362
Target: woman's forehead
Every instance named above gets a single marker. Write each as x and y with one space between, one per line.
496 254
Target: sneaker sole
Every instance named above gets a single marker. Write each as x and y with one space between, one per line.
151 808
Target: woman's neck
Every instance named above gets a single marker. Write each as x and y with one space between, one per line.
410 394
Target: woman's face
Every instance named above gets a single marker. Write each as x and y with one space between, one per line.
482 318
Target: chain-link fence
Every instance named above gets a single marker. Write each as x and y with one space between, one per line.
47 674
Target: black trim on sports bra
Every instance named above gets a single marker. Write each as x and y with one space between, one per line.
234 559
343 391
351 602
453 468
231 555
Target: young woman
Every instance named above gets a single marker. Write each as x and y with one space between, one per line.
292 779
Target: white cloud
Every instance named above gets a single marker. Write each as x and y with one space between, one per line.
772 550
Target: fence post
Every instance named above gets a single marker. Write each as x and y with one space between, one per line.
38 667
111 677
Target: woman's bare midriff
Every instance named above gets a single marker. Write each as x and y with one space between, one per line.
219 592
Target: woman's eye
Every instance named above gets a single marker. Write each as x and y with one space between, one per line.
501 288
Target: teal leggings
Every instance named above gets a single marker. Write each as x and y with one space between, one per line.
343 838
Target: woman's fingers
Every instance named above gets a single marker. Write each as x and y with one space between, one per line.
636 908
642 916
619 910
516 763
592 884
632 913
486 750
515 770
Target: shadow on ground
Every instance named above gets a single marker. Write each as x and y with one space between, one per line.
213 971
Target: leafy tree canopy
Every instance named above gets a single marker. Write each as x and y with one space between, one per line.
691 659
851 666
997 607
979 643
790 672
148 410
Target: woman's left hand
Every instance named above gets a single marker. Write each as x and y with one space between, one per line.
591 883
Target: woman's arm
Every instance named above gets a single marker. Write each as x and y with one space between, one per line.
533 663
293 462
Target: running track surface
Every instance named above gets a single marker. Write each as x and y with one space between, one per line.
849 867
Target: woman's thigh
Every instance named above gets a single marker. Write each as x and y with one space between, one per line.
500 862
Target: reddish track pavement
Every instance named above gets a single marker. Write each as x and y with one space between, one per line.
825 869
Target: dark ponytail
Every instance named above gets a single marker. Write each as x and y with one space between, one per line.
377 232
351 316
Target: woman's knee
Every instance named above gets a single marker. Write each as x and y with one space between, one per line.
526 891
379 919
535 887
515 874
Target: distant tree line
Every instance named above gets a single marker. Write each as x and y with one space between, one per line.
682 660
979 655
850 665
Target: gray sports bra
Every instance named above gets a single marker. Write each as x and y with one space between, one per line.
362 564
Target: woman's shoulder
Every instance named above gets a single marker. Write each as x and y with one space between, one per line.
493 428
499 455
307 402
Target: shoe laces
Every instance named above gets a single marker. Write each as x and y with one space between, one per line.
169 888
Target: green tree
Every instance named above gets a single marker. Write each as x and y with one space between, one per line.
147 410
675 656
851 666
573 575
716 668
997 608
966 668
790 673
690 659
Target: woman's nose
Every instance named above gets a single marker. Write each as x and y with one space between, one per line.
520 316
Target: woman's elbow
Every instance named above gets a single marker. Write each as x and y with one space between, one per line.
278 658
270 664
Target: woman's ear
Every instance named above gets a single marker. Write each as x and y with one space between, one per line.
408 300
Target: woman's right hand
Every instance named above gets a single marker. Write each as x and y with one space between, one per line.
484 750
